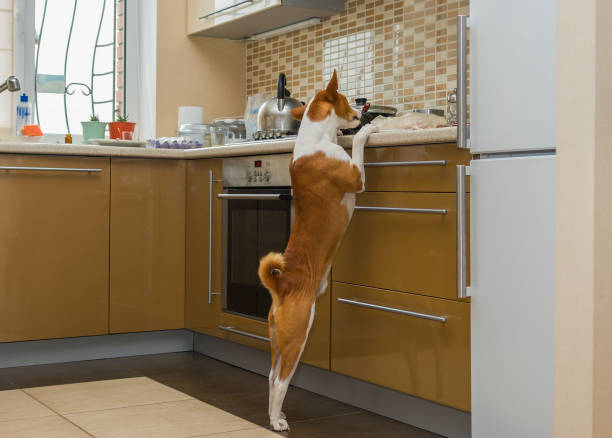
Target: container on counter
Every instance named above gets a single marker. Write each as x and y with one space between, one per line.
24 113
198 132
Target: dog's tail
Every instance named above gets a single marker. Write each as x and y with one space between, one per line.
271 267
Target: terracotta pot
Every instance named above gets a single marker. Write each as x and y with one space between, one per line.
117 129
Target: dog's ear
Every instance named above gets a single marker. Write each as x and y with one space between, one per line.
332 87
298 112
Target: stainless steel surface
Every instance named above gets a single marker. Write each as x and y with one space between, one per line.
461 233
274 115
50 169
11 84
243 333
210 227
256 196
434 111
462 128
226 8
273 171
387 111
393 310
406 163
263 141
402 210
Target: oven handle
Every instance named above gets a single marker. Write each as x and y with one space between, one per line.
257 196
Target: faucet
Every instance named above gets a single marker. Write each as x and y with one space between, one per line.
11 84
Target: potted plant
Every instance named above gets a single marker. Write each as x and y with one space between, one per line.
94 128
121 126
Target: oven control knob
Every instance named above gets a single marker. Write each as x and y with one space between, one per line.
267 175
249 176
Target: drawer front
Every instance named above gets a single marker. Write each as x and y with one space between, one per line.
427 358
404 251
429 168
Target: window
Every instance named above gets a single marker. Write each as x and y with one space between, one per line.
79 62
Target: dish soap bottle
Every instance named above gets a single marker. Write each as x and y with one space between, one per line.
24 113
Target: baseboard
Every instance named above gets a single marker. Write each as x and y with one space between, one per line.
13 354
424 414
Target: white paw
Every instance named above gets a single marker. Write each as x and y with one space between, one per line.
368 129
283 416
279 425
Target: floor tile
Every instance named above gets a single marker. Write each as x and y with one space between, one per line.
16 404
105 394
260 432
187 418
45 427
5 383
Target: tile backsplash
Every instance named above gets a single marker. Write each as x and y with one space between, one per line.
394 52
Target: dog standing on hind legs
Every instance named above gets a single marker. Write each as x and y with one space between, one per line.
324 179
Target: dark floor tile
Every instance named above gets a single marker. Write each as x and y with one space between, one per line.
151 364
68 372
5 383
362 425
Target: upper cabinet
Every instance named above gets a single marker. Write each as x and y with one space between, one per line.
240 19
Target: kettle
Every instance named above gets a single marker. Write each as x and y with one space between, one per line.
274 117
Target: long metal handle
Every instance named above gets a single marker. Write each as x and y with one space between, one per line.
240 332
406 163
402 210
393 310
210 221
461 233
218 11
257 196
462 128
50 169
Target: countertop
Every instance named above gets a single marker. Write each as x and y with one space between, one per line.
388 138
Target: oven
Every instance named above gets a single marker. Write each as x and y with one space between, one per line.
257 218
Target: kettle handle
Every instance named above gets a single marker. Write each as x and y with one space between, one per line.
280 87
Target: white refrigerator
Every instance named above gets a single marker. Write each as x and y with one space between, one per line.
512 56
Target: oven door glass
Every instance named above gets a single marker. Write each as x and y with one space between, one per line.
254 227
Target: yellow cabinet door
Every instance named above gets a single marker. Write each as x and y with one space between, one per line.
147 245
413 344
408 251
53 247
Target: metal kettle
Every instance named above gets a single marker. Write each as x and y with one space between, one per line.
274 117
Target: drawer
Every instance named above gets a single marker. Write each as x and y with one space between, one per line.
430 168
387 339
404 251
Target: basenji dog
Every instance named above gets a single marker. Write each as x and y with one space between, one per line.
324 179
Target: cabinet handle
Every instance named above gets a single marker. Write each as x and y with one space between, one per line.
247 334
50 169
402 210
226 8
462 127
257 196
406 163
461 233
210 218
393 310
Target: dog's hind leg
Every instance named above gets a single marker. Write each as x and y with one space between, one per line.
275 358
293 323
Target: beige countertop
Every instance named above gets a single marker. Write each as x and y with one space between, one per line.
388 138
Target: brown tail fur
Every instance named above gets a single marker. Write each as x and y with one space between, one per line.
271 267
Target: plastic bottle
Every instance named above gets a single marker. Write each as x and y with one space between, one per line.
24 113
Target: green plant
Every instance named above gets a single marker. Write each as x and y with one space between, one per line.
121 118
94 118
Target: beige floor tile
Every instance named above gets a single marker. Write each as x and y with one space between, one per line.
258 432
45 427
104 394
16 404
187 418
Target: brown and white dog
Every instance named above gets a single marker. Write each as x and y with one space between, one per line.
324 179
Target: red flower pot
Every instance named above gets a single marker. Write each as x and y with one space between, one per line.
117 129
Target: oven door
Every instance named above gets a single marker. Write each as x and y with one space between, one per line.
255 222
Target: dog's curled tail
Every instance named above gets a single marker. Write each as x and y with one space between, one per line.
271 267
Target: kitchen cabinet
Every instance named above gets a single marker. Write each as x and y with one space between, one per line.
54 242
408 251
147 244
209 317
240 19
410 343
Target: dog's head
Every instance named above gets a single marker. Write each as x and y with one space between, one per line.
329 104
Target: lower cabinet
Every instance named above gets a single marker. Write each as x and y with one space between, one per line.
53 247
410 343
147 245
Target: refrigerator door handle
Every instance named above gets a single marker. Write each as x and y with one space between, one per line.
462 126
461 232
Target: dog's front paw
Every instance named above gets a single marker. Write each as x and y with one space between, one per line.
279 425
